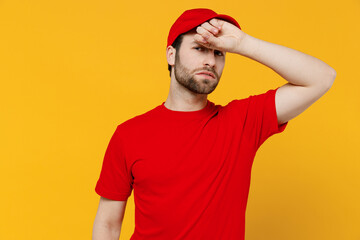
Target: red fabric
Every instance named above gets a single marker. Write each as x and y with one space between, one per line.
193 18
190 171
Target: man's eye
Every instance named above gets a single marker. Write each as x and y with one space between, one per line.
219 53
198 48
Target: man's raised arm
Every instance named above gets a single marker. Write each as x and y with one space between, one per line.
309 78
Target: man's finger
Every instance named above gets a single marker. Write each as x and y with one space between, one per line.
203 32
200 39
210 28
216 23
209 40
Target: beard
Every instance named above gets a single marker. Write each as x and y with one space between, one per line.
186 78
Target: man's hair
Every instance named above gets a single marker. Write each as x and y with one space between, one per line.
176 44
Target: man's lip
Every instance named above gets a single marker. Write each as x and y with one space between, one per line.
207 73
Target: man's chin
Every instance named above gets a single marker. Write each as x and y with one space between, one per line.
204 90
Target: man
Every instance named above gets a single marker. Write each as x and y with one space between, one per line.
189 160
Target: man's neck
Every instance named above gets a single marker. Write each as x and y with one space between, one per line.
182 99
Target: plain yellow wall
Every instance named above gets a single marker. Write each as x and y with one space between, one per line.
71 71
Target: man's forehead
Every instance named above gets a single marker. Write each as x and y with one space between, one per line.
189 37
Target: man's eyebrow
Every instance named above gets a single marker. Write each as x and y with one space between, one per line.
198 44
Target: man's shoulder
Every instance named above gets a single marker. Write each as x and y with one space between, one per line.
141 120
236 102
252 98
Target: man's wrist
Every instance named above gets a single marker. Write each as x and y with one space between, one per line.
246 46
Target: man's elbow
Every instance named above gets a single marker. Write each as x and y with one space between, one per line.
326 81
330 79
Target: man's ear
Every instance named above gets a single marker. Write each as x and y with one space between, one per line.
170 55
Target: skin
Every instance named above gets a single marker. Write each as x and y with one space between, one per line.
108 220
308 79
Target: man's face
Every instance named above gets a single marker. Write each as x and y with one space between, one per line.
198 68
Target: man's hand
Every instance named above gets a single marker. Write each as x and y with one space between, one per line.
220 35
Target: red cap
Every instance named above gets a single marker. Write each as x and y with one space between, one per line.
193 18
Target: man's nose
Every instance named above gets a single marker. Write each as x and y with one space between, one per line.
209 59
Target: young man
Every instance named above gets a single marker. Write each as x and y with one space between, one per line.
189 160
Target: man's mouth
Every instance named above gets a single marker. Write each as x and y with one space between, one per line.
206 73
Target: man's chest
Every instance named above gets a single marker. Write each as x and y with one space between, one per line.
184 155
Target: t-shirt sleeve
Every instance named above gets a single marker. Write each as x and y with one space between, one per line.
256 118
115 181
263 117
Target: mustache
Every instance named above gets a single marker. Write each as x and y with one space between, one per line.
208 70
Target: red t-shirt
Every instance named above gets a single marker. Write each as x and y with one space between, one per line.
190 171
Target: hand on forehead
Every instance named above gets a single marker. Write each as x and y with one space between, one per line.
208 28
219 34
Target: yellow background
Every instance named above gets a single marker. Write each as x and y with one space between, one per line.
71 71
